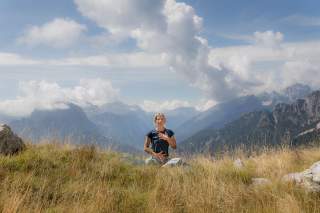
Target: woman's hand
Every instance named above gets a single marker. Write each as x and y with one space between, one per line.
163 136
161 156
171 141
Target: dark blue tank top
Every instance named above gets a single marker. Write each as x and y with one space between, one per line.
157 144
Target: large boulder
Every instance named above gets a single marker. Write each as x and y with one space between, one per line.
309 178
10 143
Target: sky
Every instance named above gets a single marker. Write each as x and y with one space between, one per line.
158 54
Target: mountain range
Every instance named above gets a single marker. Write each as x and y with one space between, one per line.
285 124
219 115
126 125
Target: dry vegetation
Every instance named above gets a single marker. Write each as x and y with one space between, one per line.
61 178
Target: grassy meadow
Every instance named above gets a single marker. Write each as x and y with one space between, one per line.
63 178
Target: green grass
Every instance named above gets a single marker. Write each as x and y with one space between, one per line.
61 178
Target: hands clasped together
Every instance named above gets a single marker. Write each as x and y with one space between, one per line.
162 155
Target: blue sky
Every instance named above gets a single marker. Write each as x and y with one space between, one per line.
159 54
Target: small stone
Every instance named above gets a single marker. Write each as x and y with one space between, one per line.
293 177
310 186
238 163
260 181
316 178
307 174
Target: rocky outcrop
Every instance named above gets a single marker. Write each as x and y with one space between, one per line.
10 143
308 179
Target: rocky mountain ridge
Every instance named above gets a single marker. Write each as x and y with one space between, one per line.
281 125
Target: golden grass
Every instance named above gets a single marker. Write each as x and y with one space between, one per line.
65 178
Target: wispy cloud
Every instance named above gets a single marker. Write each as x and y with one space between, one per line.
236 37
59 33
10 59
161 106
120 60
268 37
128 60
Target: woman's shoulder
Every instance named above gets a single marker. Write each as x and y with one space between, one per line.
153 131
170 132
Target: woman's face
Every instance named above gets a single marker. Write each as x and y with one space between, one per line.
160 120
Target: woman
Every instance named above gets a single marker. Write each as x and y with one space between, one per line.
160 139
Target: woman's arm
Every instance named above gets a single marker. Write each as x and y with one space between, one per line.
161 156
171 140
146 148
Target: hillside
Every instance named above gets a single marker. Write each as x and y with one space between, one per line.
284 124
70 125
223 113
60 124
61 178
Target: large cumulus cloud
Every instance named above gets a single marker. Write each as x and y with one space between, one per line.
167 27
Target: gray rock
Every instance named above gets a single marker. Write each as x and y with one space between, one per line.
316 178
293 177
307 174
315 168
308 179
310 186
238 164
10 143
260 181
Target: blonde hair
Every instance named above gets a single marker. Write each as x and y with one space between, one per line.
159 114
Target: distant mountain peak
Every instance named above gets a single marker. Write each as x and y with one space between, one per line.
296 91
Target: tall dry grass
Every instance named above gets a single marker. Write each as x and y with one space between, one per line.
63 178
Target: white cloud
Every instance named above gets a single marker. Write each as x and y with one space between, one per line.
256 68
58 33
164 27
168 33
122 16
46 95
268 38
304 71
204 105
15 59
123 60
129 60
162 106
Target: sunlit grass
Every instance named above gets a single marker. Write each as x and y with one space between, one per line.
64 178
